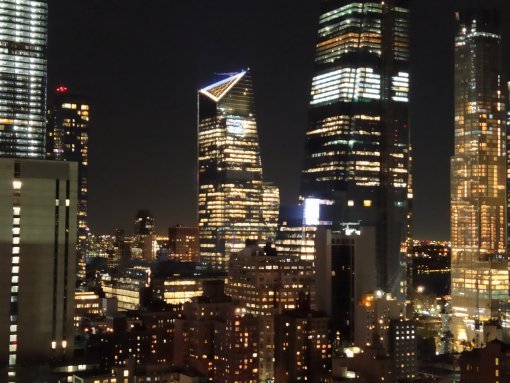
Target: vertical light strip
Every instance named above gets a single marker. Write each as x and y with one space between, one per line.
15 269
55 265
66 266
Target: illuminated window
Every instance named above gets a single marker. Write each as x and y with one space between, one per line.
367 203
350 202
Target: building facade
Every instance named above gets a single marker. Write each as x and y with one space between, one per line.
490 364
183 243
38 202
231 189
67 139
345 271
23 76
302 347
357 142
270 210
403 349
265 284
144 245
215 339
479 265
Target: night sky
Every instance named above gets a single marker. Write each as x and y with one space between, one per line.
140 62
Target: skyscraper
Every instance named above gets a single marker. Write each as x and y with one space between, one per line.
37 267
357 143
231 189
23 39
67 139
478 178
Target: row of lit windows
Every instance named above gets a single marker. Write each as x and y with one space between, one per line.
15 269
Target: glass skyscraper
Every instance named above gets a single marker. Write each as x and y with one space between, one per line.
478 178
233 201
357 142
23 36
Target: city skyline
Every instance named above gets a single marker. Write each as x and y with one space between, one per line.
293 165
88 63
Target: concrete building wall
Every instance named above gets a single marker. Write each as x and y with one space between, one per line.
38 204
341 283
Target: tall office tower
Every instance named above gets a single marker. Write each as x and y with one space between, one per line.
478 178
38 202
357 143
230 196
67 139
23 76
266 283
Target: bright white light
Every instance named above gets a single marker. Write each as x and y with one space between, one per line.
235 127
312 211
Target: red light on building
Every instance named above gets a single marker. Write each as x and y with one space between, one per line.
62 89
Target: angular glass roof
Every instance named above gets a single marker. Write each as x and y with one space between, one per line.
219 89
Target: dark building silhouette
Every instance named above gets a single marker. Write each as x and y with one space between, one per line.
345 270
144 236
144 223
490 364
